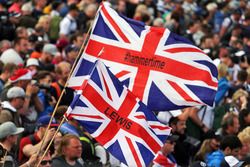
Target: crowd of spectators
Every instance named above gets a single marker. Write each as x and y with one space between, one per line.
40 41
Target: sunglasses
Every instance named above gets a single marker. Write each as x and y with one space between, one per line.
45 162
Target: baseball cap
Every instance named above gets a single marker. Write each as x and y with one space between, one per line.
21 74
231 161
50 48
44 121
70 48
32 62
9 128
15 92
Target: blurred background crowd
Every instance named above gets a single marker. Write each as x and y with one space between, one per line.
40 40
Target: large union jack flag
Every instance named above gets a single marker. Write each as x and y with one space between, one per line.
161 68
117 119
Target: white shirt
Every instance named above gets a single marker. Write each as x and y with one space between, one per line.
67 25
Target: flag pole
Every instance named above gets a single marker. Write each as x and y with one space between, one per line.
82 50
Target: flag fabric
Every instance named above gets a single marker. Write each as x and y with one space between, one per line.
117 119
161 160
164 70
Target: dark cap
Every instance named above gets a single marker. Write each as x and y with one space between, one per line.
71 48
44 121
172 138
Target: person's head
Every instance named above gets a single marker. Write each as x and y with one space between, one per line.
231 145
77 39
244 118
44 21
168 146
48 53
33 65
244 137
8 70
16 97
71 52
70 147
222 70
230 123
21 32
44 78
21 77
43 122
9 133
46 161
62 70
21 45
73 10
4 45
177 125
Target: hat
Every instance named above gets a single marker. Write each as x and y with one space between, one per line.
70 48
15 92
9 128
21 74
44 121
198 164
50 48
32 62
231 161
172 138
11 56
61 43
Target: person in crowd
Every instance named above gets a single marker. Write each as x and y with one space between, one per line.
31 144
44 80
10 108
33 65
4 45
244 137
230 124
77 39
48 53
183 148
70 151
8 139
17 53
39 5
71 52
210 144
62 71
46 161
7 71
244 118
68 25
164 157
230 145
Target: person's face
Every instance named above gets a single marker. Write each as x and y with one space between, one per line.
48 58
74 150
46 81
79 41
65 73
214 144
24 45
235 152
235 127
18 102
13 139
245 149
247 119
181 126
46 162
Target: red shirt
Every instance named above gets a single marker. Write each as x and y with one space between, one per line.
25 141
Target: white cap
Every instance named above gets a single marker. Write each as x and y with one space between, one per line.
11 56
32 62
50 48
15 92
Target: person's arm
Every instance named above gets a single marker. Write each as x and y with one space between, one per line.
38 104
193 114
30 149
31 162
5 116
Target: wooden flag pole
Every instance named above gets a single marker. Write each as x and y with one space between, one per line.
82 50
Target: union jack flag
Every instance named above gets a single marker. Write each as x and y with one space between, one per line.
161 160
164 70
117 119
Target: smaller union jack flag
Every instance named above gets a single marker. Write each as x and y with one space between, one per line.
161 160
117 119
